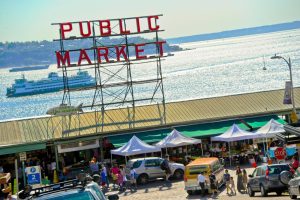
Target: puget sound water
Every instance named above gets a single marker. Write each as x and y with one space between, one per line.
211 68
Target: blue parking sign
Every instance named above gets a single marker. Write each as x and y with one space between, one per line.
34 179
33 175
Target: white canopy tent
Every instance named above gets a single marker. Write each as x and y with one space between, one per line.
270 129
135 146
234 133
176 139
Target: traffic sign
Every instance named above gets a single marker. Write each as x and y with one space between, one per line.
280 153
22 156
33 175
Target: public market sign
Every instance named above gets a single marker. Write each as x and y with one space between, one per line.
106 28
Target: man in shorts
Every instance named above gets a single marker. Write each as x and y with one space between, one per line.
226 178
133 176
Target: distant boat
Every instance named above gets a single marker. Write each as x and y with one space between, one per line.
20 69
53 83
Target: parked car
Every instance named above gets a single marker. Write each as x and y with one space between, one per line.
294 185
205 165
150 168
269 178
82 188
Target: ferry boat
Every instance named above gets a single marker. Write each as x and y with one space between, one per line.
53 83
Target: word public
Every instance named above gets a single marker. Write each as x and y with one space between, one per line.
107 28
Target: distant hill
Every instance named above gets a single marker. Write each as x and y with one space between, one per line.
236 33
18 54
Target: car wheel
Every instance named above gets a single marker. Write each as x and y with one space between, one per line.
142 179
292 196
279 193
250 192
178 174
263 191
190 192
285 177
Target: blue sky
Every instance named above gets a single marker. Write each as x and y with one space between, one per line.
26 20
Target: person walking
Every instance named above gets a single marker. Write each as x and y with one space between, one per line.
114 173
245 180
232 186
201 182
226 179
213 184
239 174
133 176
105 173
295 163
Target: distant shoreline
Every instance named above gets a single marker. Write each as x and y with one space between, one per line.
236 33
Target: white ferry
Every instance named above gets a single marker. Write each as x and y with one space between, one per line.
53 83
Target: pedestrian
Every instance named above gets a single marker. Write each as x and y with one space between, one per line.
201 182
133 176
232 186
213 184
295 163
226 179
166 167
114 173
103 178
239 174
94 167
105 173
245 180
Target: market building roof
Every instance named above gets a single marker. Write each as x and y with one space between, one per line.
198 111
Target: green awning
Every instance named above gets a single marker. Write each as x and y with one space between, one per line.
196 131
4 150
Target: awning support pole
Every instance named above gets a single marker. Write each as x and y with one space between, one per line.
229 154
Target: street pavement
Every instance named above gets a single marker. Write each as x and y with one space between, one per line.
174 190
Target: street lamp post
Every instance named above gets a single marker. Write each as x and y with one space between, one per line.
288 62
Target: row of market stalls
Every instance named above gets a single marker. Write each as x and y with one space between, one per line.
136 146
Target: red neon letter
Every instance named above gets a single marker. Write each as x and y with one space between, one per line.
88 31
138 27
121 51
151 28
121 28
64 29
83 56
61 59
105 54
137 51
160 44
103 27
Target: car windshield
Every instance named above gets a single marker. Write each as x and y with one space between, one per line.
197 169
134 164
277 169
69 195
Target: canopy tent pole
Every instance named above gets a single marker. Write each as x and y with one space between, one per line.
229 154
186 153
201 149
110 159
125 160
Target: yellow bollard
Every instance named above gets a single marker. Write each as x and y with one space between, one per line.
55 177
15 189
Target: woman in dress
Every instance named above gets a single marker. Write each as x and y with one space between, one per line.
239 175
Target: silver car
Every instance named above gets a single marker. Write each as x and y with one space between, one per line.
149 168
294 185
